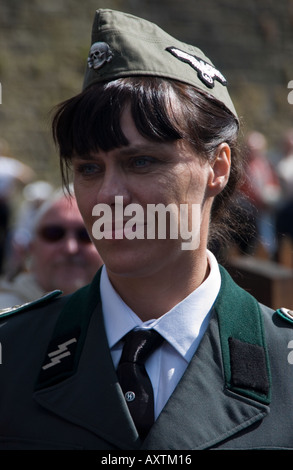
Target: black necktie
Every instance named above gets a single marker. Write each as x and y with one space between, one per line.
133 378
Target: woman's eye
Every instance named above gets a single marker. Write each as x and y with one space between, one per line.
142 162
88 169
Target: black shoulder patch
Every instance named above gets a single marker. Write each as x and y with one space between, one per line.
248 366
5 312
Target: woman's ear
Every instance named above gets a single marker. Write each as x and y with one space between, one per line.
219 170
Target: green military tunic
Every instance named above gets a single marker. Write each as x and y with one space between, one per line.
59 389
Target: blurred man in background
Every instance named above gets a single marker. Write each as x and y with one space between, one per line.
60 254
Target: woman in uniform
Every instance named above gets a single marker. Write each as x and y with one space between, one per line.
163 350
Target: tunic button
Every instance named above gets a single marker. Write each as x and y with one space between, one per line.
129 396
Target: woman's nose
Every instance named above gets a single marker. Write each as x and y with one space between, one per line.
114 184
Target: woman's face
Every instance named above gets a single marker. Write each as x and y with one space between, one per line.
145 173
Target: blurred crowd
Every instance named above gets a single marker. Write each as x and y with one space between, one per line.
265 199
44 244
43 241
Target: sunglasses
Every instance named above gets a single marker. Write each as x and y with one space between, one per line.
55 233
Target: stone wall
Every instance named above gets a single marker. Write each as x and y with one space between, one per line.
44 45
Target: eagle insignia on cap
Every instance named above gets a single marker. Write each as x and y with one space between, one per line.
206 72
100 53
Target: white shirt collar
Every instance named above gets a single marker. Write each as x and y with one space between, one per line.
183 326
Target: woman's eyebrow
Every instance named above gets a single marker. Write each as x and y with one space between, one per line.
137 149
129 150
87 156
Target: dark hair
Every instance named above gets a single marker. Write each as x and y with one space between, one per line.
163 110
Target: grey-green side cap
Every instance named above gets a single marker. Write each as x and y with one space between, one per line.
124 45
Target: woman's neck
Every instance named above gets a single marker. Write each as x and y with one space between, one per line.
152 296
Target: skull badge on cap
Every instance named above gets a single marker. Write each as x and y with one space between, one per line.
100 53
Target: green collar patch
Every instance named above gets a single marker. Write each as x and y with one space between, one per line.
245 356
